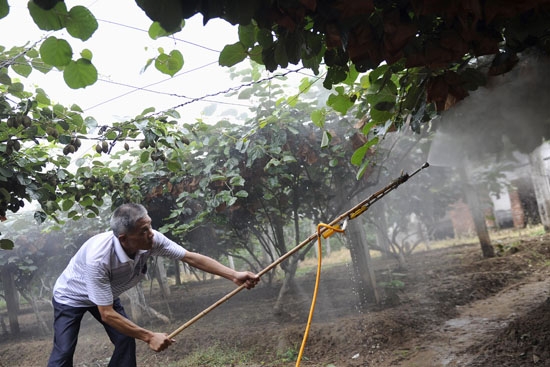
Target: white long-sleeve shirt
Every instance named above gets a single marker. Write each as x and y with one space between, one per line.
101 271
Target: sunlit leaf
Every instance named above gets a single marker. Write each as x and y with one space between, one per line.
232 54
22 68
318 117
367 128
42 98
361 171
326 139
81 23
359 154
67 204
39 64
86 201
80 74
156 31
380 116
86 54
352 76
169 64
16 88
48 20
255 54
246 35
340 102
148 63
56 52
76 108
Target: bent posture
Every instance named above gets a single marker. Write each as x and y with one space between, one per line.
103 268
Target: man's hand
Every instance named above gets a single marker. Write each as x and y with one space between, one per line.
159 342
247 278
212 266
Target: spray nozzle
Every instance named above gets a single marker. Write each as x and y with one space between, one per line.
336 228
344 224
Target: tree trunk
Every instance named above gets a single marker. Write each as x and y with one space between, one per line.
10 294
292 263
177 271
361 260
381 228
472 199
160 275
541 185
138 304
44 329
288 284
3 325
134 310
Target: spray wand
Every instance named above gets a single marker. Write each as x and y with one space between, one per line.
326 230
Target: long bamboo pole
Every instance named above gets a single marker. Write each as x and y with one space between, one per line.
350 214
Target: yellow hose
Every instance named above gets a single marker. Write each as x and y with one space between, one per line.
315 291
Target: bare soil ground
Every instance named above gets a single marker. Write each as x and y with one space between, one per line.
455 309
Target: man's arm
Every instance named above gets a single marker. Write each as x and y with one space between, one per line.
212 266
156 341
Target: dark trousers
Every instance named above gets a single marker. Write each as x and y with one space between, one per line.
66 326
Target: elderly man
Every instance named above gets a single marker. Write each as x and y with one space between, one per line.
103 268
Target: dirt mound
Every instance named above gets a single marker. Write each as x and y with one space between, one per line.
525 342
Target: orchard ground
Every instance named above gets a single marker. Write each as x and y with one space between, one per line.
451 308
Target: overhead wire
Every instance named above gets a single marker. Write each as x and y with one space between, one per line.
144 89
236 88
136 89
190 99
172 36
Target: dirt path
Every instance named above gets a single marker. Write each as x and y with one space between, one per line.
451 344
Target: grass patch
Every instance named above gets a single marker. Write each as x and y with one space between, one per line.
215 356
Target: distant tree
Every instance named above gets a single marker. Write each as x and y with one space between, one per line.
31 269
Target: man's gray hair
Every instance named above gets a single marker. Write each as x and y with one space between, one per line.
124 218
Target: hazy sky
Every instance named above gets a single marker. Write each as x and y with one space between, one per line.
121 47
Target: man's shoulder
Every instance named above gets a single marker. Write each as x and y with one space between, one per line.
100 244
101 238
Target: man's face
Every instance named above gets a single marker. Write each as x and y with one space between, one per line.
141 238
